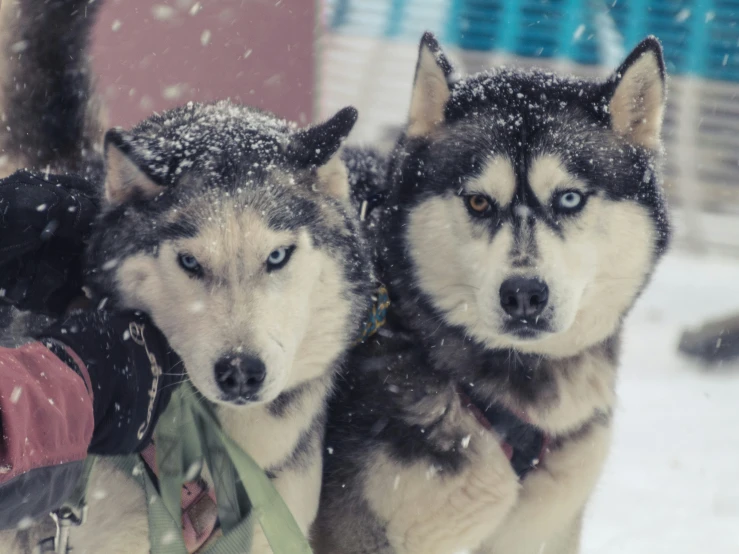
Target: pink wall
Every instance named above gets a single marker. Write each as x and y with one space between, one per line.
151 55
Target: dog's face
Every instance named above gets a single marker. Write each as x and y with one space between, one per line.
239 264
533 206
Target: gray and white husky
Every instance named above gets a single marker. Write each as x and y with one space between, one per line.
233 229
525 217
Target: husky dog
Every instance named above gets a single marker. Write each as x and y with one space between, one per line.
525 217
236 232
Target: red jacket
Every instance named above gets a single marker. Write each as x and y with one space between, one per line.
46 417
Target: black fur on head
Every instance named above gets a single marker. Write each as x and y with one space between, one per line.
315 146
223 138
430 44
208 153
605 133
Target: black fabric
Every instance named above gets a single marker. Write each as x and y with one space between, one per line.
44 223
127 358
58 349
526 440
36 493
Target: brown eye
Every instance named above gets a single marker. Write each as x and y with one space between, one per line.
478 204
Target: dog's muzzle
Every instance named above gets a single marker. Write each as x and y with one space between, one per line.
240 377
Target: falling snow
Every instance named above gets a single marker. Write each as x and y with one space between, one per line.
168 538
162 12
193 471
25 523
173 92
15 395
682 15
19 46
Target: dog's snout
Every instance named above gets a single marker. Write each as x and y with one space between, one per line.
523 297
240 375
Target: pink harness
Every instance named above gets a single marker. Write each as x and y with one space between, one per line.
199 508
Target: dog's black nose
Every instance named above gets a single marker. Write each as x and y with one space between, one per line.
522 298
240 375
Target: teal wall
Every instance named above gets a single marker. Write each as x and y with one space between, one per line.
700 37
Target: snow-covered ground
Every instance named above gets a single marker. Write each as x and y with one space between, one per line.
671 484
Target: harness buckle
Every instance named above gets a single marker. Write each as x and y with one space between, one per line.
65 518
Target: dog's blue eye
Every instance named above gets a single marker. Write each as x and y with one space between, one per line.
278 258
189 263
569 201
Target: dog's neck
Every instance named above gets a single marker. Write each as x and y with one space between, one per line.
558 394
270 433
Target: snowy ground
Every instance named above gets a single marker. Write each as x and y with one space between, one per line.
671 484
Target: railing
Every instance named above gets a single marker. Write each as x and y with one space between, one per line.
369 52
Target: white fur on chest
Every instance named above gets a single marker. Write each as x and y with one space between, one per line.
268 438
548 513
582 392
485 508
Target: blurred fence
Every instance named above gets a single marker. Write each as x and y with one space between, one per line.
368 51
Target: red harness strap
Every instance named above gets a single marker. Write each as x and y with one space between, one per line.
523 443
199 508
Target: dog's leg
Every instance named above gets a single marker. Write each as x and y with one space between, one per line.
117 520
49 118
430 512
568 540
553 497
300 488
23 542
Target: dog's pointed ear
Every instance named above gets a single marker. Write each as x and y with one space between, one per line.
637 95
318 146
124 180
431 88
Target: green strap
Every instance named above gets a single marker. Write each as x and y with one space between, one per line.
70 514
78 499
189 432
165 537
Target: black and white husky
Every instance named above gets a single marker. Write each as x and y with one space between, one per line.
525 217
233 229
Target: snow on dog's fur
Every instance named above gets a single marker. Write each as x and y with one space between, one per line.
223 225
525 217
236 232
